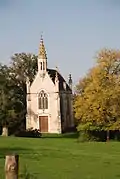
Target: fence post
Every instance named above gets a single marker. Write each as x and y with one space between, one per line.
11 166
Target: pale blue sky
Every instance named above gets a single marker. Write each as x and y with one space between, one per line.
73 30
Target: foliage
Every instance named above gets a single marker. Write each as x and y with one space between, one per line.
98 94
22 66
13 89
7 111
94 135
33 133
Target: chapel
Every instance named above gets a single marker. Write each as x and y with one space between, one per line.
49 98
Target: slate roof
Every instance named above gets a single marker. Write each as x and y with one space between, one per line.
52 74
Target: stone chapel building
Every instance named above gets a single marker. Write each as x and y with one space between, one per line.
49 99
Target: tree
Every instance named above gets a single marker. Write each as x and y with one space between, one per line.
22 66
13 89
98 94
6 108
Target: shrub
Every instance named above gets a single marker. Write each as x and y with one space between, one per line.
85 136
33 133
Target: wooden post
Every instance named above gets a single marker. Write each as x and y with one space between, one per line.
11 166
4 131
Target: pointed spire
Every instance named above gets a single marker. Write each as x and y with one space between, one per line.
42 52
70 81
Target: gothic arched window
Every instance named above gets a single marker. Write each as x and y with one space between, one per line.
43 100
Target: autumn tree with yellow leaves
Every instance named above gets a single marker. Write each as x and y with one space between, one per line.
97 103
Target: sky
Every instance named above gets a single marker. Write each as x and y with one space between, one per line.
73 31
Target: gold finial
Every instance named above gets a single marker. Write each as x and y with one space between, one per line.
42 35
42 52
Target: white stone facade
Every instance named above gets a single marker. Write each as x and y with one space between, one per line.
54 113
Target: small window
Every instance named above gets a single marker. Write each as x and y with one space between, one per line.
43 100
41 65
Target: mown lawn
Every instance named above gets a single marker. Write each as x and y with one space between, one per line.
63 158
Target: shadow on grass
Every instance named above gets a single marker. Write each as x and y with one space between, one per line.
12 151
59 136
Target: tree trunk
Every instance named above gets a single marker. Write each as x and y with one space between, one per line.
5 131
108 135
11 167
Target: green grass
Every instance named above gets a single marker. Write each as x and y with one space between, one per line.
63 158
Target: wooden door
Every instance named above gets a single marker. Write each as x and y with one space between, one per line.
43 121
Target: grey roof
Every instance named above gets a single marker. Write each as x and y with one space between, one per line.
52 74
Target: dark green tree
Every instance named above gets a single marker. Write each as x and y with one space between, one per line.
22 66
13 90
7 111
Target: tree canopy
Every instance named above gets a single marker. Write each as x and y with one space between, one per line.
97 101
13 88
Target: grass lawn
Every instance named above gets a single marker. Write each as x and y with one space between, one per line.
63 158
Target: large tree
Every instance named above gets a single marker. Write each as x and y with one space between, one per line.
22 66
98 94
13 89
7 111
